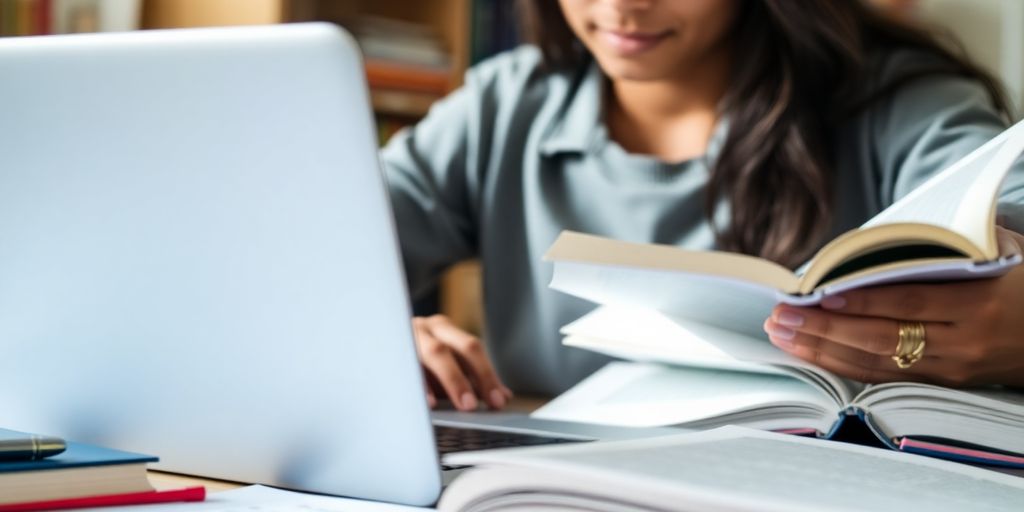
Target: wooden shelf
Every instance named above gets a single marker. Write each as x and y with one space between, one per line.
401 103
448 18
211 13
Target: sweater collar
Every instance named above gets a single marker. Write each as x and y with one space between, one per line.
576 129
582 126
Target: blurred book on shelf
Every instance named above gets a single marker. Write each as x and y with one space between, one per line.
398 41
43 17
39 17
388 74
401 54
408 68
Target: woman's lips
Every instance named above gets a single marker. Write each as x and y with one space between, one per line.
631 43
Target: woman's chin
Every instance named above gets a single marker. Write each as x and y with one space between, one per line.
633 71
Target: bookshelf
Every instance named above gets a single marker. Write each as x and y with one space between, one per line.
44 17
402 91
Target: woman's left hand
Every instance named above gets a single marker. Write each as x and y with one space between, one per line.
974 331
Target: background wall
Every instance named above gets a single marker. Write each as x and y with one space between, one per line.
991 30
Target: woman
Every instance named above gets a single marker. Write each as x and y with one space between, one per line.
760 126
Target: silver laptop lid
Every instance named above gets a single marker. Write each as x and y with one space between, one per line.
197 259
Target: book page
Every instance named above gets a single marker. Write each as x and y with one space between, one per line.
732 468
653 395
962 198
681 340
647 335
726 304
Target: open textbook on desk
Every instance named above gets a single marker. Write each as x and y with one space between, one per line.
730 468
702 312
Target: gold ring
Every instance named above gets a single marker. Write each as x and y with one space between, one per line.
910 345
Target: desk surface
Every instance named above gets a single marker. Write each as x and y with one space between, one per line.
164 480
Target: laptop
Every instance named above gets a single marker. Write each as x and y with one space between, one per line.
198 261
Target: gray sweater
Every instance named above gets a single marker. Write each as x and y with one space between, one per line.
502 165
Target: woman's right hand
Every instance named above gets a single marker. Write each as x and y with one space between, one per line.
456 365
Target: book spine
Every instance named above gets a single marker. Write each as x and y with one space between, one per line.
495 28
23 8
8 17
507 31
43 16
483 18
387 75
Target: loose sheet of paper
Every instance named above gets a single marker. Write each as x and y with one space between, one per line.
257 498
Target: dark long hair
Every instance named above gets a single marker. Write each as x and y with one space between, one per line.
803 68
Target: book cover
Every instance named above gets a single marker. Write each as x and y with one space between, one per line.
77 455
111 500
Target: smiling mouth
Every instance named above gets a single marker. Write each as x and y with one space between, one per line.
631 43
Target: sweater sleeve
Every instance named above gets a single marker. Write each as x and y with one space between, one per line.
929 124
425 166
436 169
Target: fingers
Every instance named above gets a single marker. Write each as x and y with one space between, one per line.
459 363
971 330
470 351
840 359
948 359
439 360
877 336
948 302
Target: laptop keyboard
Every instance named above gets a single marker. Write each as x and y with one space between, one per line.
453 439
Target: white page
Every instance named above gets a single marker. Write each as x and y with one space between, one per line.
258 498
688 339
650 335
664 352
652 395
959 198
733 468
733 305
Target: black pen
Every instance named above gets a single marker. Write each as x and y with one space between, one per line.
23 446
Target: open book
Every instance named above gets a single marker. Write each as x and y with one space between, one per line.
944 229
702 313
725 469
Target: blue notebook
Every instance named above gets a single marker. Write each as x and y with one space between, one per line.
82 470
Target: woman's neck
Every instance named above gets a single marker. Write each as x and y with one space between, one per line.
671 119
